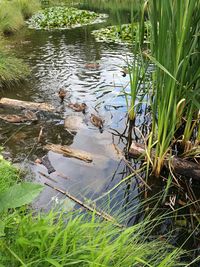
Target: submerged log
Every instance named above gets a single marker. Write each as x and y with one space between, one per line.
69 152
26 104
28 116
180 166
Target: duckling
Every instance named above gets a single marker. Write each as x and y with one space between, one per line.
92 65
78 107
124 72
62 94
97 121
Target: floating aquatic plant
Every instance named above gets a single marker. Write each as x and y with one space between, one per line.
125 33
63 17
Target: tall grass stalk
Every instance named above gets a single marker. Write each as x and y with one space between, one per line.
174 43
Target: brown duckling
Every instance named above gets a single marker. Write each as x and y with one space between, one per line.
92 65
97 121
62 94
78 107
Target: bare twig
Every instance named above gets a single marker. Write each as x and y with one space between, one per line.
47 176
40 134
101 214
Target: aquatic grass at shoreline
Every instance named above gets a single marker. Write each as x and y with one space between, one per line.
13 13
12 70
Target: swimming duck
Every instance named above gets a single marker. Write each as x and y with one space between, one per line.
92 65
78 107
124 72
97 121
62 94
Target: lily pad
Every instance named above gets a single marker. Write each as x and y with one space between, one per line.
125 33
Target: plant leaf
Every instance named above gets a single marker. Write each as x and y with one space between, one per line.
19 195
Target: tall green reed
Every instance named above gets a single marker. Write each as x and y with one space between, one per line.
174 43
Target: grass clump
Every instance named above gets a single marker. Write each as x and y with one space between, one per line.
27 7
12 70
72 239
13 13
11 18
125 33
63 17
8 174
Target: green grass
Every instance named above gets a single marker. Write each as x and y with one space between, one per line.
13 13
11 19
72 239
12 70
27 7
8 174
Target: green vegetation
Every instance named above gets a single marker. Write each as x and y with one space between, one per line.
13 13
174 91
63 17
125 33
12 70
8 175
72 239
27 7
11 18
176 79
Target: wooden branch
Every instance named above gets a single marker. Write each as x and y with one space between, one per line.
69 152
102 214
14 103
47 177
179 165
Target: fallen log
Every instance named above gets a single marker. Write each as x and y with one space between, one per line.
180 166
14 103
69 152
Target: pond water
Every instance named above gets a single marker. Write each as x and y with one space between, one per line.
61 59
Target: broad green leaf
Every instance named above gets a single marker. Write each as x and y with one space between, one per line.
19 195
